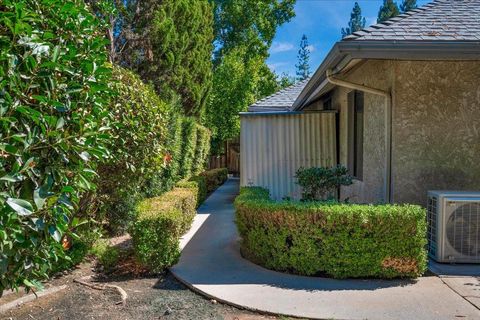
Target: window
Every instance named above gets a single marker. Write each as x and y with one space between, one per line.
355 134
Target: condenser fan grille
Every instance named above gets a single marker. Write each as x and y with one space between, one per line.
463 228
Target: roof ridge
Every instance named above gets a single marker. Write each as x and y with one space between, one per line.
283 90
392 20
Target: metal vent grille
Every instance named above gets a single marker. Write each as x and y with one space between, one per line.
432 225
463 228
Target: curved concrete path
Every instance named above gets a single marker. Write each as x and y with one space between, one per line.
211 264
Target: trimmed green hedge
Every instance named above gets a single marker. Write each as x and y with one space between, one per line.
340 240
162 220
214 178
160 223
198 184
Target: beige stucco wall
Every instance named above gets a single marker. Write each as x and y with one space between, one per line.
377 74
435 132
436 128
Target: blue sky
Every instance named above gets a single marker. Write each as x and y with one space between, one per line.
321 21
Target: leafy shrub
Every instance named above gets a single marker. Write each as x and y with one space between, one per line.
171 173
197 183
189 138
202 150
341 240
161 222
77 249
106 254
155 147
321 182
215 178
54 77
138 152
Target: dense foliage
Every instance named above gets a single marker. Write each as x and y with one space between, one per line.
154 147
214 178
320 183
54 121
244 30
248 23
140 140
168 43
310 238
181 48
162 220
388 10
357 21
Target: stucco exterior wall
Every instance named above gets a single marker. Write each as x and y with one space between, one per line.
376 74
436 128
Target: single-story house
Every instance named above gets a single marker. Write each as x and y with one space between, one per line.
397 103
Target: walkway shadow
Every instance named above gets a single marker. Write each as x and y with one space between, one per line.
212 256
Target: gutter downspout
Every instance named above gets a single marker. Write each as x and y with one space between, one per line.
388 125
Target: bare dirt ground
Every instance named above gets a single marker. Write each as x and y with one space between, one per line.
149 297
160 297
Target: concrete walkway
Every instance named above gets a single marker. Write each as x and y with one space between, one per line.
211 264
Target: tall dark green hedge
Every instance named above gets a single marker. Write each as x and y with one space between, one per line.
169 43
155 147
140 144
54 92
340 240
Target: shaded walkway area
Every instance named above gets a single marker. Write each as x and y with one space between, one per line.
211 264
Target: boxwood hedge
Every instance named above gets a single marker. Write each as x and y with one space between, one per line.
339 240
160 223
162 220
215 178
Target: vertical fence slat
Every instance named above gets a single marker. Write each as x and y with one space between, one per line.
280 145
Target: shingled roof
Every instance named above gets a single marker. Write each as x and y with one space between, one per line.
279 101
439 20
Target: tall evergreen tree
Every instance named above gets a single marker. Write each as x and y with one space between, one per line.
169 43
303 66
408 5
356 23
388 10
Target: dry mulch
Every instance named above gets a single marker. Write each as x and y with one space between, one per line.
149 297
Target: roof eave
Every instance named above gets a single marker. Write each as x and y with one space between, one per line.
344 51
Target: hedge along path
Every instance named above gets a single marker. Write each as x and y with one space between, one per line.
341 240
161 221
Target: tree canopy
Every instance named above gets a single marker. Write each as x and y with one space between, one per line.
244 30
388 10
303 65
357 21
248 23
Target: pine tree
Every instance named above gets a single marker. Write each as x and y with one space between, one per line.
388 10
408 5
356 23
303 66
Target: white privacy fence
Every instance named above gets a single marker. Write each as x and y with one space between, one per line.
273 147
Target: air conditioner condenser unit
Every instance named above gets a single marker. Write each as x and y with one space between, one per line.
453 219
